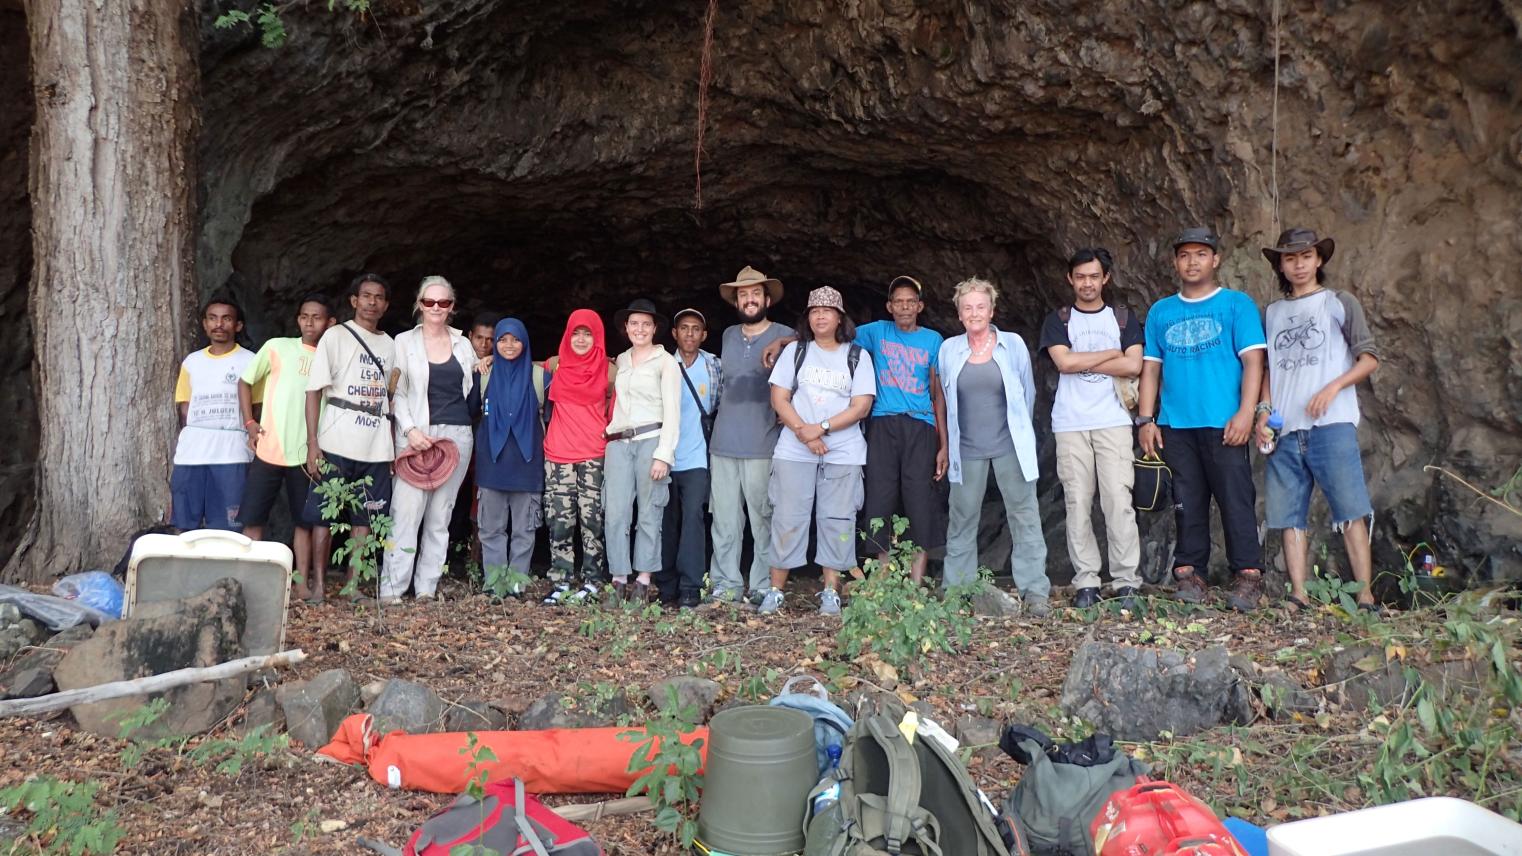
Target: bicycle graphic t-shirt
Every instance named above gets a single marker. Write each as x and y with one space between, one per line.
1311 340
1200 344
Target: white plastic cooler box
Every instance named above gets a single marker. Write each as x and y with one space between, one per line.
169 567
1434 826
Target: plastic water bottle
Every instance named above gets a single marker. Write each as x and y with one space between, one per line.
1275 425
828 797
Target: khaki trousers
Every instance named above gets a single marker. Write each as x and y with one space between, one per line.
1100 459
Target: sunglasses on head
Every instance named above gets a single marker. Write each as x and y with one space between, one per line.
442 303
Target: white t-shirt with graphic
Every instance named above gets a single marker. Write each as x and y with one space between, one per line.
825 387
346 373
1087 401
213 432
1311 341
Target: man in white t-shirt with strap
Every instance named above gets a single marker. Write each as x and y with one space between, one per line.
1093 344
211 455
348 406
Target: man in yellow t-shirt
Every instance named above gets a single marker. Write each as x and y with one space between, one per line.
278 439
210 457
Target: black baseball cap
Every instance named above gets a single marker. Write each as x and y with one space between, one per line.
1198 235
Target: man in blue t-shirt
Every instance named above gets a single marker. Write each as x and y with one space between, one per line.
906 437
683 544
1205 347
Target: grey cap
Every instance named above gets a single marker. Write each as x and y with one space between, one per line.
1198 235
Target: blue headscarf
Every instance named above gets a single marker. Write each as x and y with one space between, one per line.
512 406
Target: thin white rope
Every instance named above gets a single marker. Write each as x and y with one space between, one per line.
1274 144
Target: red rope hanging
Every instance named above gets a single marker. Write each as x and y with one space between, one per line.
705 77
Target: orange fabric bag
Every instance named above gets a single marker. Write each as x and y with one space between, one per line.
556 761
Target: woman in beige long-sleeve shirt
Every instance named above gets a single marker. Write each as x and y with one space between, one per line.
642 439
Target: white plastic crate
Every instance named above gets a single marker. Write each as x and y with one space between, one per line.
169 567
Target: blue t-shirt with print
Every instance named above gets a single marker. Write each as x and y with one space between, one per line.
903 362
1200 344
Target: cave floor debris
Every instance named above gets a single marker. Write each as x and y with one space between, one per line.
512 653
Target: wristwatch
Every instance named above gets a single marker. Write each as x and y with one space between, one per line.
1146 420
1263 408
825 426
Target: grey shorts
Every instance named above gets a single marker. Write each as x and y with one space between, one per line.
830 494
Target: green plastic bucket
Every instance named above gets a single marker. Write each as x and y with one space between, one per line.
756 785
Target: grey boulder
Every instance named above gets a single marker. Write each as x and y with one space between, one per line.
1137 693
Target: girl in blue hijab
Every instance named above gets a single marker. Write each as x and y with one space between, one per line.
510 452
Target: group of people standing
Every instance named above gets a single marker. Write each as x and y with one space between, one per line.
832 426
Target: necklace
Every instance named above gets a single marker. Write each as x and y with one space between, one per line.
979 349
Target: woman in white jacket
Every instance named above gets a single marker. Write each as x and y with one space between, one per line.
430 406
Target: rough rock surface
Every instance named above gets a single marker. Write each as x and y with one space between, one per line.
21 676
699 694
560 711
407 706
474 715
1136 693
542 155
1360 673
262 711
203 630
313 709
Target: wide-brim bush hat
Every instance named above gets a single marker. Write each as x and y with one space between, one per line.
638 306
1298 240
750 276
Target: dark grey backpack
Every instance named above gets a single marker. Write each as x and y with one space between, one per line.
901 798
1052 806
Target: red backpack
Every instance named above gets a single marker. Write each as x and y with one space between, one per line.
505 821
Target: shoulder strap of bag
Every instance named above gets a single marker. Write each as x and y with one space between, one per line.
525 828
903 781
361 340
1065 313
1122 316
539 384
692 389
798 361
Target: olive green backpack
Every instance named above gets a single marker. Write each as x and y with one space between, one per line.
901 799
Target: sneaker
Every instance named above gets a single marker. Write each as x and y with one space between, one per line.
758 596
1191 588
829 602
1245 594
1086 598
425 598
389 600
771 602
725 597
688 600
557 595
1128 596
1037 605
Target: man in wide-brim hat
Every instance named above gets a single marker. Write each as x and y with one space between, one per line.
744 436
1319 350
750 276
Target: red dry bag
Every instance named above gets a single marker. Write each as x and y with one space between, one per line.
1159 819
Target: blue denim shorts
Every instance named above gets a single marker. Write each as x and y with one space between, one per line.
1325 456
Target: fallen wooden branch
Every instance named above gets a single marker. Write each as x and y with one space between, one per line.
150 684
588 812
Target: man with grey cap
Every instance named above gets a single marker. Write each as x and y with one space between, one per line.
1320 349
683 547
1204 349
744 436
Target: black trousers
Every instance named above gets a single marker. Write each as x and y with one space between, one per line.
1203 468
684 536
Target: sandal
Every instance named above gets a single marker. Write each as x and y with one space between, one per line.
1297 603
1369 607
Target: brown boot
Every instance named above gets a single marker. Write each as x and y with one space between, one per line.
1248 590
1191 587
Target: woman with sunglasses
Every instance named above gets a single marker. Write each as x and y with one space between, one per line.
431 407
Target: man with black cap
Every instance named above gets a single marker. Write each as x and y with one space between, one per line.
1204 348
1320 348
683 544
744 436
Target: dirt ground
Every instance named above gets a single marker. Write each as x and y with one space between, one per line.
511 653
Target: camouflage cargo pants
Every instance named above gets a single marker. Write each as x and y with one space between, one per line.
572 496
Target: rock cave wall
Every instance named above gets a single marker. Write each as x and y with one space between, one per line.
541 156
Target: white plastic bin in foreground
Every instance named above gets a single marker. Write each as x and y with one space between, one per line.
167 567
1436 826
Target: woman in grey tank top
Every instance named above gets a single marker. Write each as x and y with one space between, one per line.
986 375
